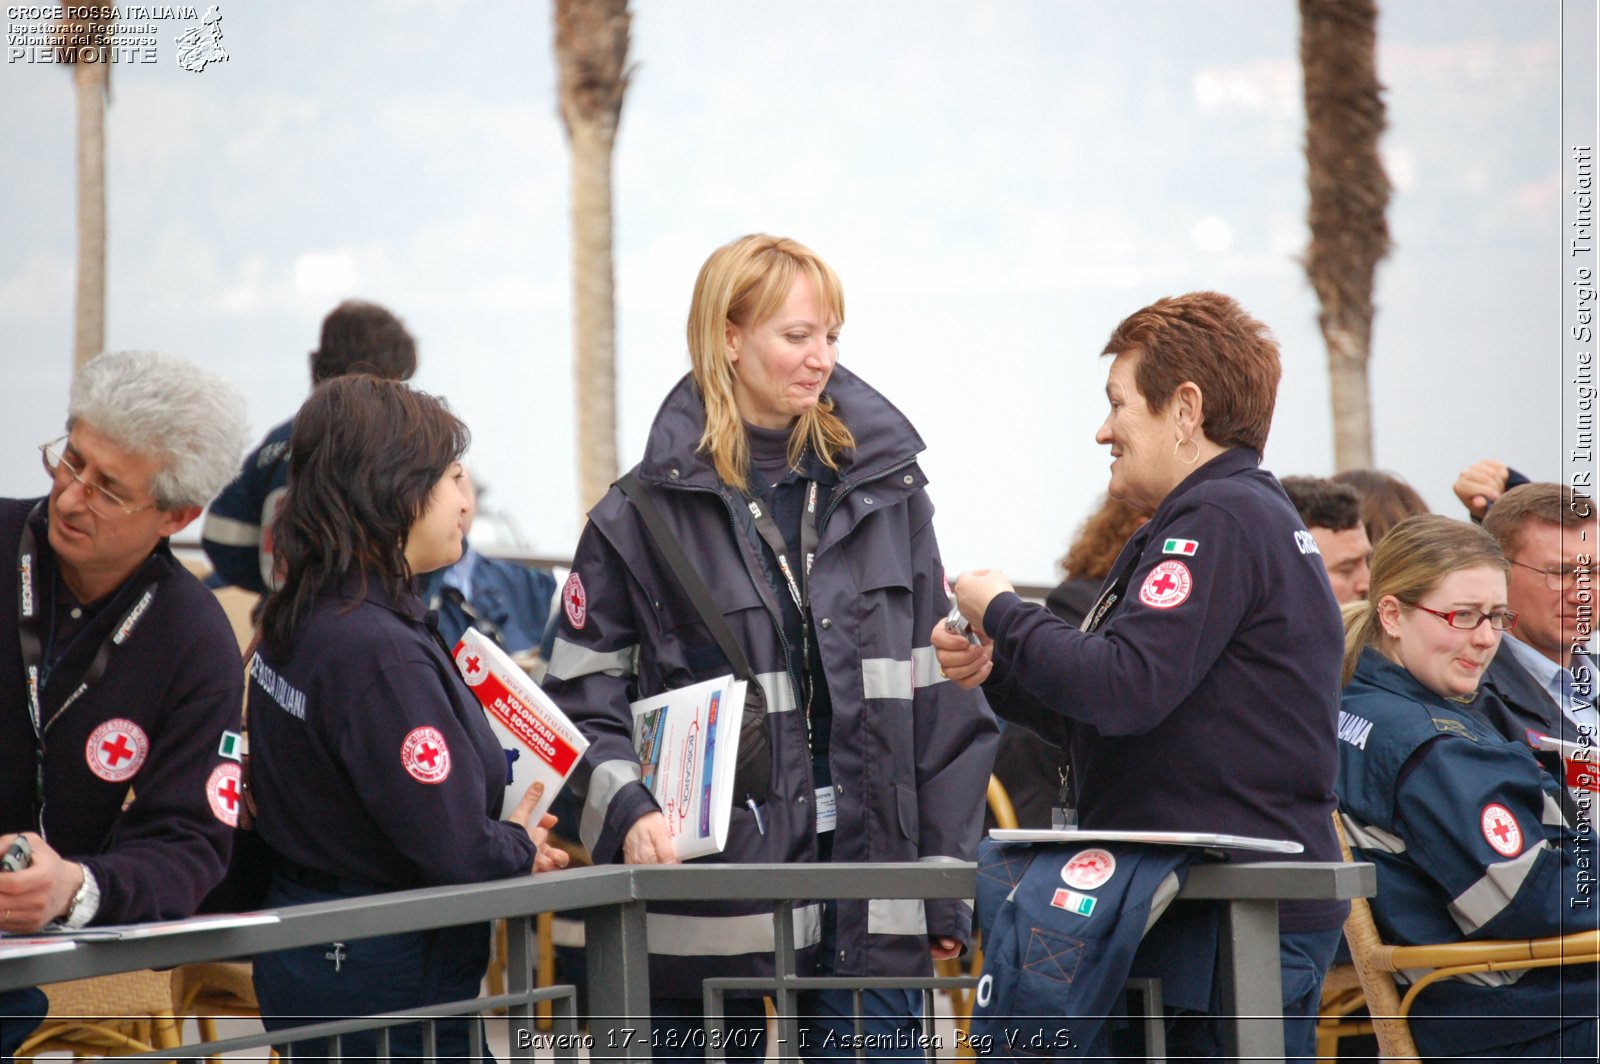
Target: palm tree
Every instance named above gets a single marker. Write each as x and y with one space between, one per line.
82 39
591 57
1349 195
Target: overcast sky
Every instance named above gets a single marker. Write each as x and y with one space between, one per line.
996 183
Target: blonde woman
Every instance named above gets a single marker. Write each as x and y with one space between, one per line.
1464 827
794 489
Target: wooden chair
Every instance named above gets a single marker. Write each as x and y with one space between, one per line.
208 990
1376 962
110 1015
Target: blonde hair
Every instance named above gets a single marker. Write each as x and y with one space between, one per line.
745 282
1413 559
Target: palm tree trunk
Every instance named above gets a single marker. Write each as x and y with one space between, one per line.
89 315
594 313
1349 198
591 42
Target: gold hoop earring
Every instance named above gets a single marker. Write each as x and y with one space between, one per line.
1177 451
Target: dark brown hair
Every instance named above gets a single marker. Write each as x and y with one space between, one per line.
1554 504
362 337
1100 540
1207 338
364 456
1323 504
1386 500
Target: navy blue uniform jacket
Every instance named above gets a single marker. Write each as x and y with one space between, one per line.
910 753
177 680
1470 842
1207 701
236 534
370 759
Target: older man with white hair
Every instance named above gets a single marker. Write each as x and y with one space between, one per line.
119 674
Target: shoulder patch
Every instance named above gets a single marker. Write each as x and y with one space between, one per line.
1500 830
223 793
116 750
1186 547
1167 585
575 600
425 756
232 746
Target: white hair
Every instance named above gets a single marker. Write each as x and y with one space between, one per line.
163 407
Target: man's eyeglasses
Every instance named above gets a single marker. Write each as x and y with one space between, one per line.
56 462
1561 578
1499 620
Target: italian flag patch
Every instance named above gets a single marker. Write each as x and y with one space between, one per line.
1185 547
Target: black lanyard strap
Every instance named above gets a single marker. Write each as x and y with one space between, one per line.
30 612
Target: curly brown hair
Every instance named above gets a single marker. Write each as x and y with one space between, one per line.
1100 539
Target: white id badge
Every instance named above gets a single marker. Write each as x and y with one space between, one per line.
827 810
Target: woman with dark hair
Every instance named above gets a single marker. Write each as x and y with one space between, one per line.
373 767
1466 829
1200 693
1386 500
794 490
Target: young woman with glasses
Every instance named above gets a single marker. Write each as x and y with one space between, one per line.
1465 827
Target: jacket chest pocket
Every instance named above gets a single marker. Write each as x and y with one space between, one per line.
883 606
687 648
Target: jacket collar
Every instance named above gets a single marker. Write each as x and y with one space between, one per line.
349 587
1375 670
884 436
1228 463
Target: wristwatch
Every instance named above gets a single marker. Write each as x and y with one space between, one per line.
85 903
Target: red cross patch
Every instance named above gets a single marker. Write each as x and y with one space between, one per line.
575 600
116 750
1168 585
223 792
1089 869
425 756
1501 830
473 668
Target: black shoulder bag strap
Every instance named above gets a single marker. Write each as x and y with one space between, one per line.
753 775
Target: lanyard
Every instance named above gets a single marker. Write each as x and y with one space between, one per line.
1114 592
799 588
29 623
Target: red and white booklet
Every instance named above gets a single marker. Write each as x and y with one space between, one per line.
1582 760
540 742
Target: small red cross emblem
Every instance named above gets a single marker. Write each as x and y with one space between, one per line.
117 751
1500 830
428 754
229 793
425 756
222 792
1164 584
472 664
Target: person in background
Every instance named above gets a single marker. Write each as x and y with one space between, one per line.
357 337
1461 823
1214 646
1481 483
770 459
1545 672
1386 500
1028 766
373 767
1332 514
125 754
507 602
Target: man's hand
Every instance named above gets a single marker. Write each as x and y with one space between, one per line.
962 663
1480 485
549 858
40 893
649 842
944 947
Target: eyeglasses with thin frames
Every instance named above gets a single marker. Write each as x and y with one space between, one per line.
55 461
1560 578
1468 620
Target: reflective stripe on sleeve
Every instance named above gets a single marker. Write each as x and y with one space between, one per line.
608 778
569 661
1365 837
925 667
1489 896
780 695
1552 816
676 935
885 678
897 916
229 532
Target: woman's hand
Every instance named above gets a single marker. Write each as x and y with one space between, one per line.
549 858
32 897
944 947
975 589
962 663
649 842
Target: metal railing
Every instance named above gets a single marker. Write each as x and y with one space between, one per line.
613 900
